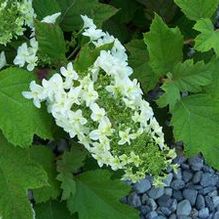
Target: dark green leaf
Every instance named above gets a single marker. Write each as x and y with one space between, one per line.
53 210
72 9
51 42
45 158
44 8
69 164
138 60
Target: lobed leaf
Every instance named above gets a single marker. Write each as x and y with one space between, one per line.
196 9
164 46
18 173
208 38
51 42
98 196
195 121
138 60
20 120
46 159
72 9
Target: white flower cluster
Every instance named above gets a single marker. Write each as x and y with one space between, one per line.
77 104
14 16
28 55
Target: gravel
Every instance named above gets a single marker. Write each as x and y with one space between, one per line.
192 192
184 208
203 213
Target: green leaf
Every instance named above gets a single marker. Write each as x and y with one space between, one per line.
170 97
87 57
164 46
45 158
18 173
138 60
165 8
71 161
126 11
53 210
44 8
51 42
72 9
19 118
208 37
196 122
196 9
213 88
188 76
98 196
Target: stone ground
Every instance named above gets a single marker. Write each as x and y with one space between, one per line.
191 193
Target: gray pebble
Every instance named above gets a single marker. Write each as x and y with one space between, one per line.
173 205
194 213
192 186
200 202
207 169
197 177
187 175
166 211
142 186
196 163
216 216
145 209
151 203
151 215
164 201
178 195
206 190
209 203
177 184
168 179
203 213
156 193
209 179
144 198
173 216
213 193
168 191
183 217
134 200
184 208
160 217
215 201
179 160
191 195
178 175
185 166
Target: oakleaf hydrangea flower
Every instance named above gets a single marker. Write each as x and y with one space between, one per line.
27 55
51 19
15 16
105 110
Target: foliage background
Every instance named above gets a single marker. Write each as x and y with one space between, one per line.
176 61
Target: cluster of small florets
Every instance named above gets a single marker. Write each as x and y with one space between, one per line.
105 110
14 16
27 55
